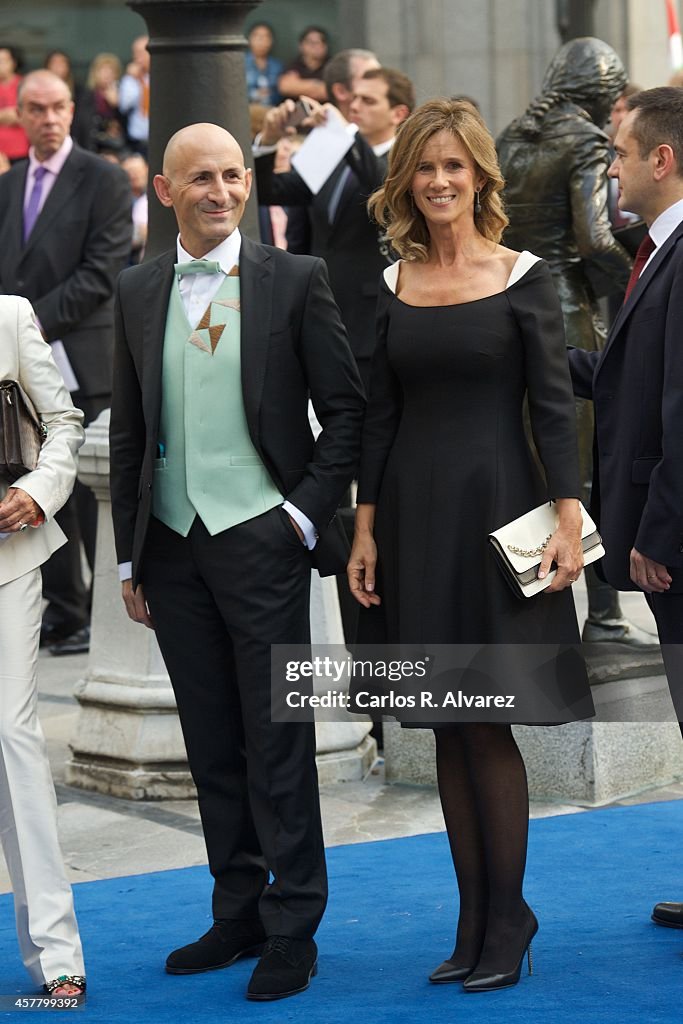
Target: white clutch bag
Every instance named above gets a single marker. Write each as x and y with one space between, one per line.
518 547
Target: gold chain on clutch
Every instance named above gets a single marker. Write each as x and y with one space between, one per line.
526 553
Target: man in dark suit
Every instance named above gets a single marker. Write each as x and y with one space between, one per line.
636 384
218 345
65 232
341 230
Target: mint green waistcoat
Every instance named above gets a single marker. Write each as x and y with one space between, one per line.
209 466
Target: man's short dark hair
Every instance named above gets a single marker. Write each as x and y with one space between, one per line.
659 120
338 69
400 91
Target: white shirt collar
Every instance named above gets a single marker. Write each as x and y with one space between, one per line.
666 223
227 252
53 163
383 147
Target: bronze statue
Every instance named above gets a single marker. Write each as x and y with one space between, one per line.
555 159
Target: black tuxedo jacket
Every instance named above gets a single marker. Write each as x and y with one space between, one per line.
350 244
69 264
636 384
293 344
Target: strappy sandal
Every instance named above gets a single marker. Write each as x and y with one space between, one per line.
77 980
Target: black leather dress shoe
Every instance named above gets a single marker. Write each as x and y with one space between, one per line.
223 944
75 643
670 915
285 968
447 972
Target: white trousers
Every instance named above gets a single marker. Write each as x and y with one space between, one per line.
43 902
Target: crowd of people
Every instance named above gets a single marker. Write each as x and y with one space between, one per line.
420 307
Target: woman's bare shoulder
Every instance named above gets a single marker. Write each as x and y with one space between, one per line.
508 257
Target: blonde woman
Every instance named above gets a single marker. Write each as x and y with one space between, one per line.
106 120
466 330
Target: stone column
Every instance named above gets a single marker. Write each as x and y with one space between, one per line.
197 74
128 741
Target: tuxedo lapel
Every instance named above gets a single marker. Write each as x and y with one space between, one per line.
327 192
155 298
64 190
639 289
256 302
321 207
351 187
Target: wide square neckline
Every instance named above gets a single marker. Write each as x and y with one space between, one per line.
522 265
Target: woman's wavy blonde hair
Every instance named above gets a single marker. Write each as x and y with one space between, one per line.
392 205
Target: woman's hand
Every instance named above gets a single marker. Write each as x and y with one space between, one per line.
564 547
361 569
363 560
18 509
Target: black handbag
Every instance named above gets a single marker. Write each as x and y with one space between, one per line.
21 432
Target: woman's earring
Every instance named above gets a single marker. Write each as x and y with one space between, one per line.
477 204
412 201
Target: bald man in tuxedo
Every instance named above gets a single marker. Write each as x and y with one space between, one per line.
222 501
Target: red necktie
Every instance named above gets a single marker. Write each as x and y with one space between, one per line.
645 250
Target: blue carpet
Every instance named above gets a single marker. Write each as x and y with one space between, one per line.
592 880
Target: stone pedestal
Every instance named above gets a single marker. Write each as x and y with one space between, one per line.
596 763
346 751
582 762
128 741
592 762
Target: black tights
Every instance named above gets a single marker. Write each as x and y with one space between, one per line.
485 801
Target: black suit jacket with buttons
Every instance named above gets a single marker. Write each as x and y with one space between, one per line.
293 345
636 384
68 266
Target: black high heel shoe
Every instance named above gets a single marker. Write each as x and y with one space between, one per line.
487 981
448 972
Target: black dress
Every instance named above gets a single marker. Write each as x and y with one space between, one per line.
446 460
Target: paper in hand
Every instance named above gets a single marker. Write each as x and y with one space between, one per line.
322 151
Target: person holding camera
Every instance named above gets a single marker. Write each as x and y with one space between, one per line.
342 232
